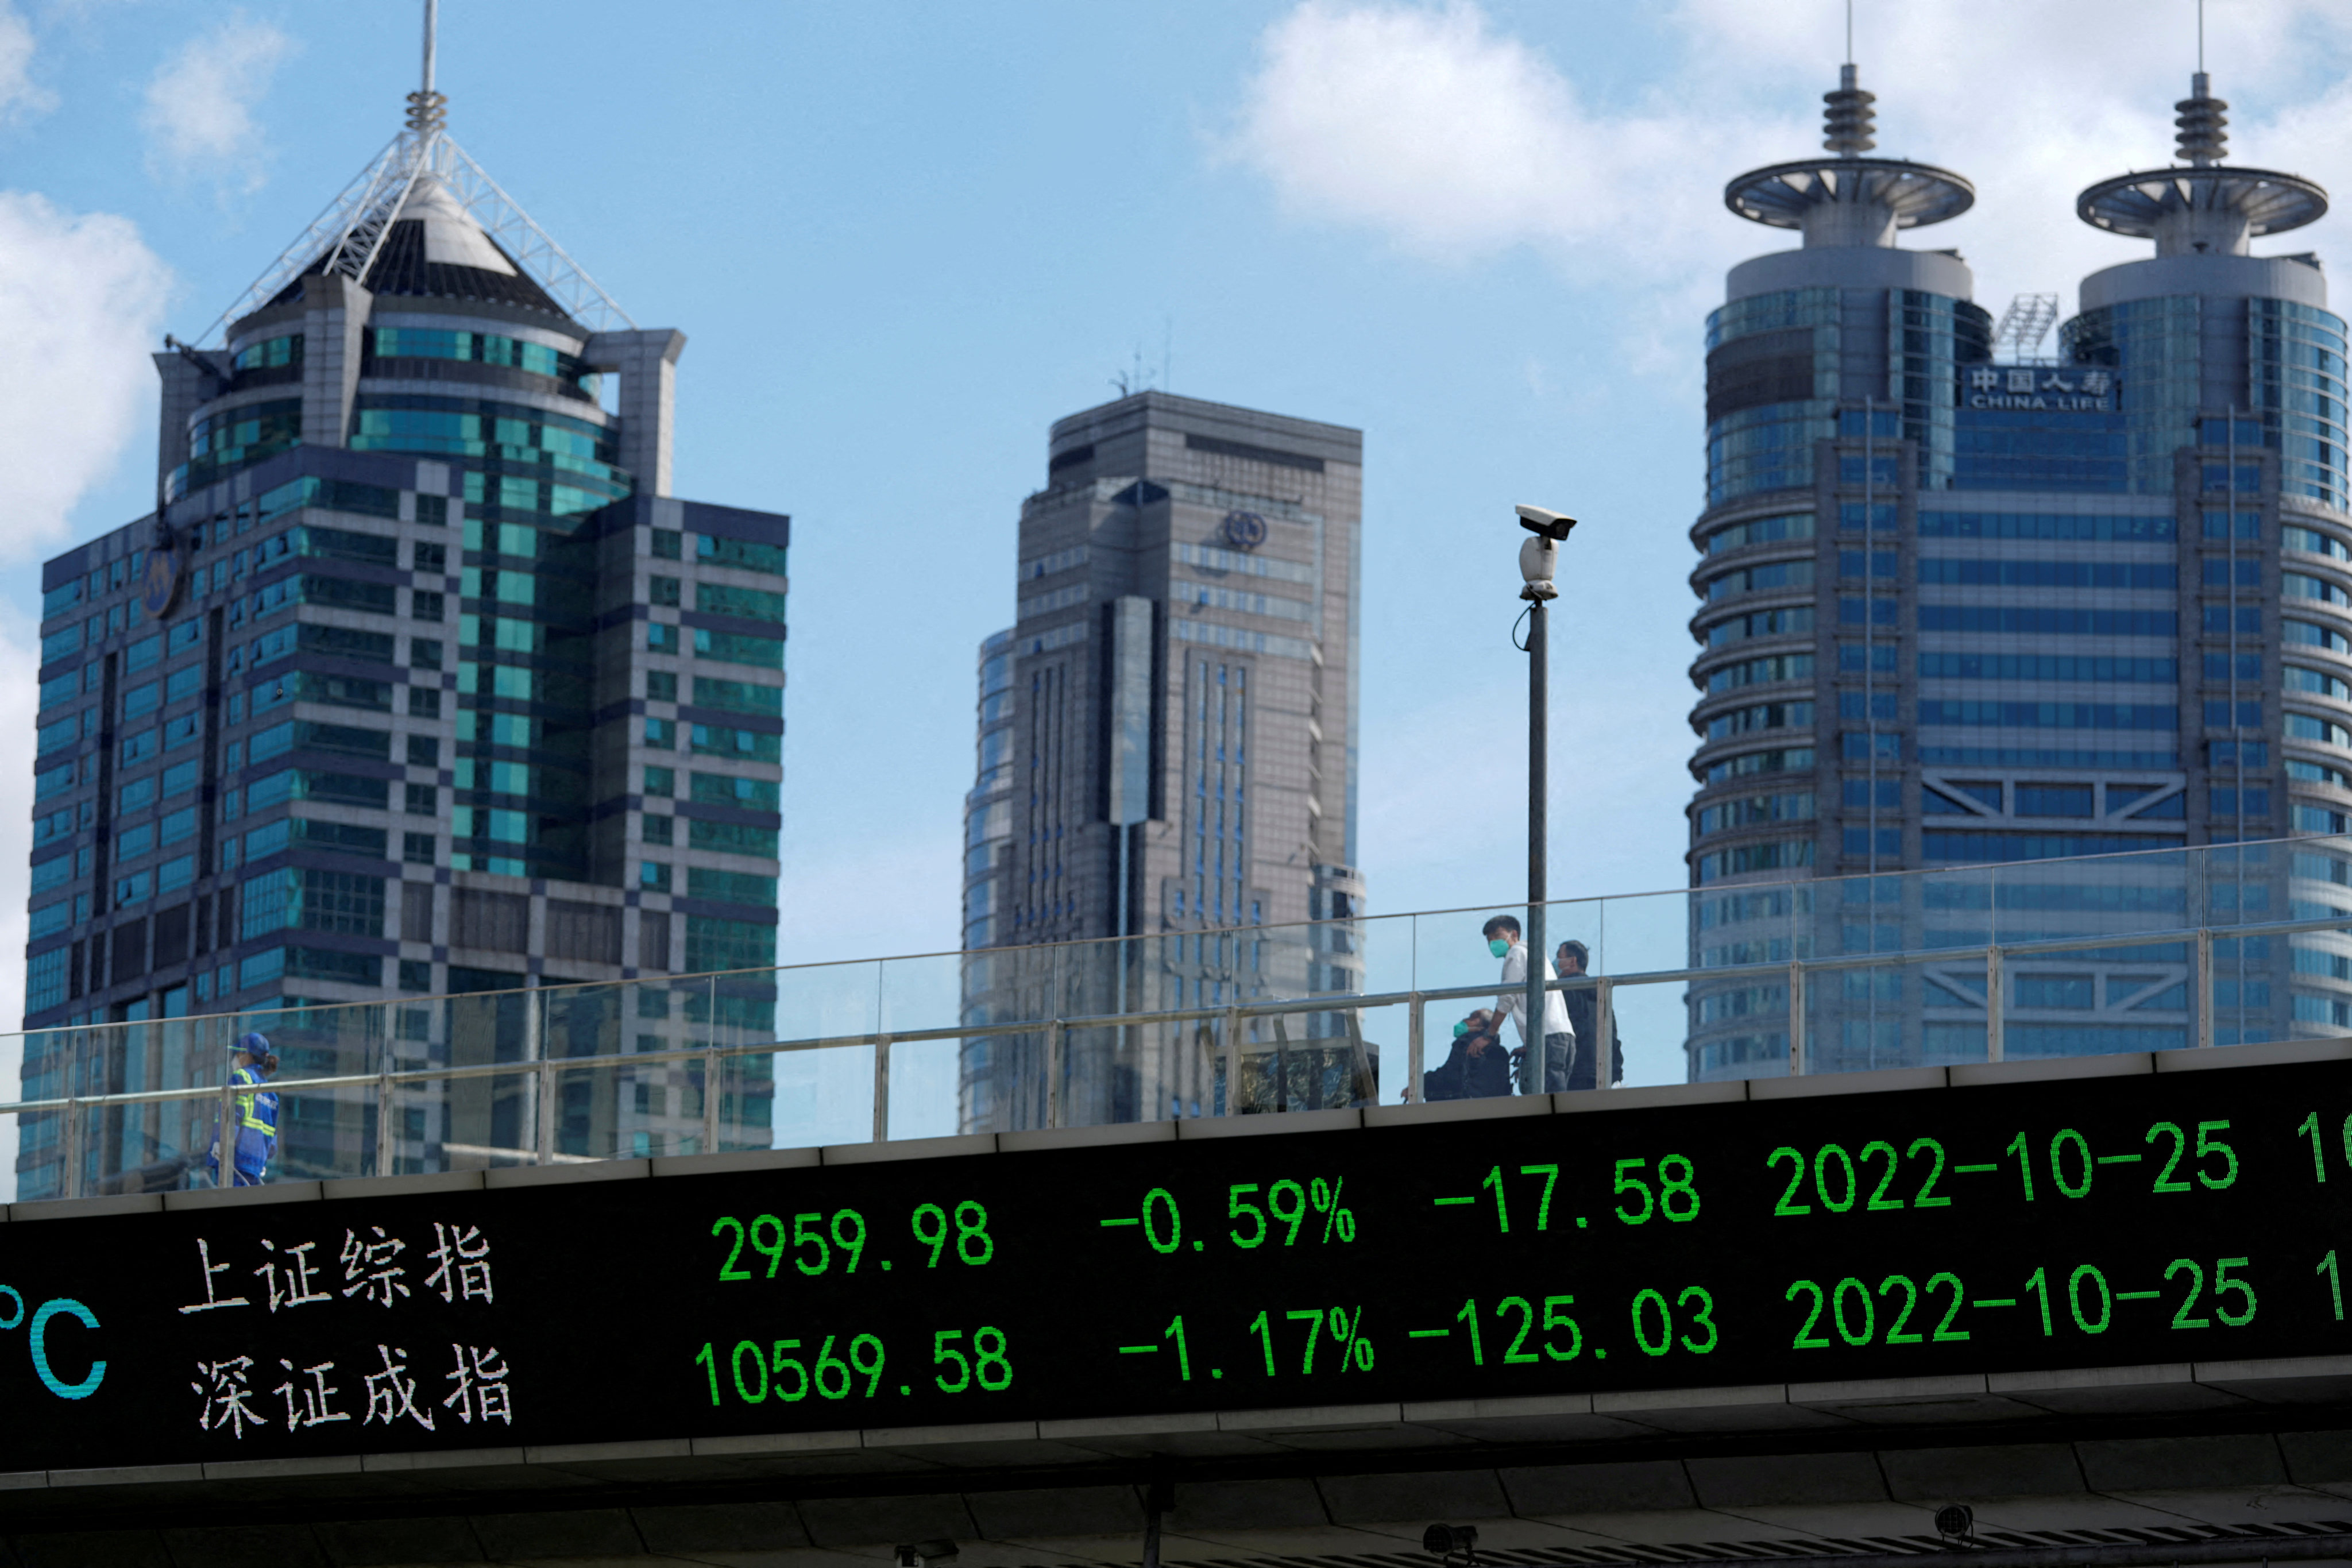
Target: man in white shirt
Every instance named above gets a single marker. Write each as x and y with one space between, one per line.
1543 1069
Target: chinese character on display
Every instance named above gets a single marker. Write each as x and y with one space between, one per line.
2054 382
1984 379
367 1266
392 1392
464 1263
313 1410
2096 383
481 1380
2020 381
211 1302
295 1275
224 1389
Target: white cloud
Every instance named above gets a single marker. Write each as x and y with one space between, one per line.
81 305
19 97
1429 125
199 105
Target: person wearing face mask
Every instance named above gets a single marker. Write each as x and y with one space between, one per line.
1543 1068
1476 1068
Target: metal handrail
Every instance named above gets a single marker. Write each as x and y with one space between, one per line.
882 1039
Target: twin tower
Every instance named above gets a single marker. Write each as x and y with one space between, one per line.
1965 602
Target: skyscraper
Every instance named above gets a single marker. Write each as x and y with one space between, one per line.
423 681
1965 604
1167 744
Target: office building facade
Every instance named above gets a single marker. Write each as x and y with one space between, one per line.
1167 746
422 682
1965 602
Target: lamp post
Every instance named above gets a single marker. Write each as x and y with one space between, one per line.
1538 559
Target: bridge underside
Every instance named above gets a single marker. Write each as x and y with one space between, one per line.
2189 1463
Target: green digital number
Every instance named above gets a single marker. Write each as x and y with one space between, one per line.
1703 1317
2309 1128
1822 1180
1167 1200
727 1269
972 1228
2074 1299
1493 1179
1635 1184
2180 1318
1805 1339
1550 1173
1672 1186
1291 1214
945 1352
1665 1323
2229 1156
710 1363
1468 1314
759 1365
780 1363
1555 1319
2017 1146
2223 1285
2335 1282
1895 1334
2058 1164
1945 1334
1854 1337
1787 1204
2164 1182
1935 1173
936 1236
989 1361
803 1237
1525 1309
1879 1201
1235 1209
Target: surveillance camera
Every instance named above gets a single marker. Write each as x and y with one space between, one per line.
1553 525
915 1553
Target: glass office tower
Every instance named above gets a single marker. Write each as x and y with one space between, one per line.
1965 602
422 682
1167 751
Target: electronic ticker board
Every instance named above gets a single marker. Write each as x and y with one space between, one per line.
2086 1221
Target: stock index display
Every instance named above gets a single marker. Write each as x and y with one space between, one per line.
2192 1217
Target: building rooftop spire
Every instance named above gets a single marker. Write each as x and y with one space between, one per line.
1849 198
2196 207
466 220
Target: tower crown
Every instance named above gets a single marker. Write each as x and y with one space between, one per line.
2196 207
1847 198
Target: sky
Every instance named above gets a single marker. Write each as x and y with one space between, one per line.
902 240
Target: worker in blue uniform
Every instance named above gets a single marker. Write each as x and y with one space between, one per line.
253 1113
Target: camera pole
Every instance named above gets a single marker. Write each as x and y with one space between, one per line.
1538 559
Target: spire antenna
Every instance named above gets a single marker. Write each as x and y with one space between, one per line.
1849 28
428 109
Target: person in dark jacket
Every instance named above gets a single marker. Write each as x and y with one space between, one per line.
1582 1003
1477 1067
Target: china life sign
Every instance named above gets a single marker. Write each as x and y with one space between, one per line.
2062 389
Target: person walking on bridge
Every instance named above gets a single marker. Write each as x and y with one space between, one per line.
1582 1003
253 1113
1544 1065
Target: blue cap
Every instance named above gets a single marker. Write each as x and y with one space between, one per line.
252 1045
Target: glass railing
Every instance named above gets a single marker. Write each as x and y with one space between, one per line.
2165 949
